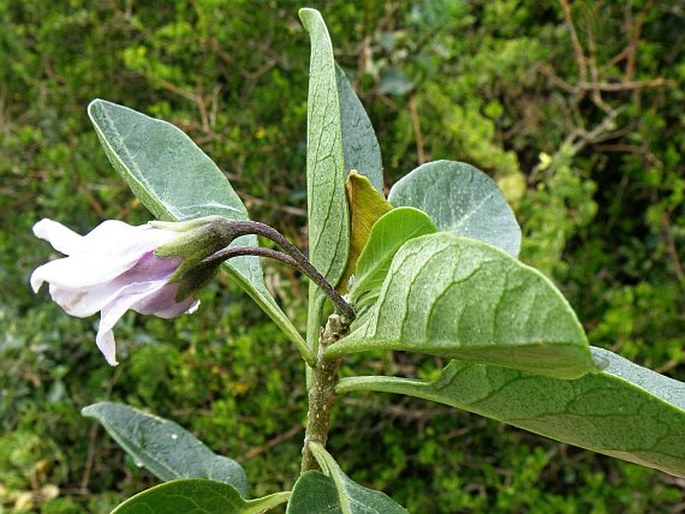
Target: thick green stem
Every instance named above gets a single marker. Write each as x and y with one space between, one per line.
322 391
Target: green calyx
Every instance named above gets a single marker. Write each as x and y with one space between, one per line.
197 240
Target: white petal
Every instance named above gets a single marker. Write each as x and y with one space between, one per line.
107 345
62 239
195 306
85 302
125 237
112 312
37 279
82 271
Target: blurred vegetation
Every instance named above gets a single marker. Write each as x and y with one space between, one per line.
576 109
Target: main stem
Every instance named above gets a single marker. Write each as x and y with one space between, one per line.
322 391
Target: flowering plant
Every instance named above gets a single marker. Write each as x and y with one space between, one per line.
432 269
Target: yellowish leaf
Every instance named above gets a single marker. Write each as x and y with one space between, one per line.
366 206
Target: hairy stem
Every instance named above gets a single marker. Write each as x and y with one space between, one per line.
299 260
238 251
322 391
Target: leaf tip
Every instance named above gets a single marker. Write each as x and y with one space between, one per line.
91 411
308 15
94 103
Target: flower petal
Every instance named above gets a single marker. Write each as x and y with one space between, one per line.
119 234
85 302
62 239
82 271
163 303
102 261
112 312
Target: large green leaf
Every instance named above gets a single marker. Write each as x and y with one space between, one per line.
163 447
177 181
352 498
360 146
329 231
197 496
388 234
461 199
458 297
624 410
314 492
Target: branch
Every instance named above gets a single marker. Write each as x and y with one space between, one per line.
577 47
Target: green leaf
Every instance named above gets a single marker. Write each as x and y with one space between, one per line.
177 181
360 146
625 411
197 496
352 497
314 492
163 447
329 231
457 297
388 234
461 199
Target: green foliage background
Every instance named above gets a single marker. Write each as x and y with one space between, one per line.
582 126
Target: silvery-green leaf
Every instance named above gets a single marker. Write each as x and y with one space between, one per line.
461 298
461 199
352 497
360 146
163 447
329 230
197 496
388 234
314 492
623 410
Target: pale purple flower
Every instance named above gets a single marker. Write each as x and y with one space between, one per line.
112 269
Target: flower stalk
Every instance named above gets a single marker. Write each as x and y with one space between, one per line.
291 255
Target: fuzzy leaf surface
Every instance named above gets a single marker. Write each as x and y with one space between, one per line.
197 496
461 298
623 410
352 497
314 492
461 199
360 146
164 447
366 205
329 230
387 235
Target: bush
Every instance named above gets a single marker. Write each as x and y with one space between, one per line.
596 173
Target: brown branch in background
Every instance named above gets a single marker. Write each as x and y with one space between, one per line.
275 441
632 45
90 459
672 251
250 200
577 47
416 124
624 86
579 138
594 79
595 92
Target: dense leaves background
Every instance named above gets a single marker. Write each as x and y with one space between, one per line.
576 110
